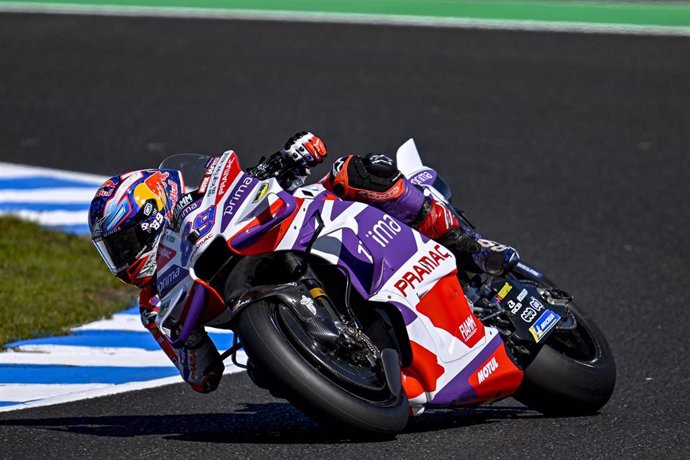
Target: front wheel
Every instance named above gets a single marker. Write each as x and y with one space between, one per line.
322 382
573 374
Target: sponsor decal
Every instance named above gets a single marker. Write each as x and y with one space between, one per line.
188 210
148 209
184 201
201 241
504 292
261 192
210 166
384 231
152 188
232 203
422 178
215 175
527 269
164 255
309 303
383 196
174 195
107 188
423 267
468 328
544 324
536 304
521 296
528 315
488 369
169 278
204 183
225 178
514 306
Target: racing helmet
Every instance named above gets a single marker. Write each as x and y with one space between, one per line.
127 218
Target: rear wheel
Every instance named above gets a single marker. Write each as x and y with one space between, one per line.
337 388
573 374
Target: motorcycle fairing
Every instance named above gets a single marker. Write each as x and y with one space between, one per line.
387 261
390 262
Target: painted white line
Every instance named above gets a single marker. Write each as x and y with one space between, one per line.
130 323
53 217
68 355
75 394
62 355
12 170
56 195
23 392
118 322
346 18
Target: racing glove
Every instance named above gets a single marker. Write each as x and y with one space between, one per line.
305 149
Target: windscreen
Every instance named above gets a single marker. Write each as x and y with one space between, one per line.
191 165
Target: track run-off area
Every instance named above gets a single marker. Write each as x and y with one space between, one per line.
573 147
545 15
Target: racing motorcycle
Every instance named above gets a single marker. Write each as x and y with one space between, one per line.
356 318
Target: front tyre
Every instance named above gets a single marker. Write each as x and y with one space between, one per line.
314 380
573 374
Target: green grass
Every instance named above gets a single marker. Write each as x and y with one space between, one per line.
50 281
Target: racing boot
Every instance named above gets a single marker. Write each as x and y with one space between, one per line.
199 362
374 179
472 250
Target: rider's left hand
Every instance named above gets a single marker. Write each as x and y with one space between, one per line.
305 149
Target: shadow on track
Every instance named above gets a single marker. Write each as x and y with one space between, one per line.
269 423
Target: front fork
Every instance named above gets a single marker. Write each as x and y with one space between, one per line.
304 275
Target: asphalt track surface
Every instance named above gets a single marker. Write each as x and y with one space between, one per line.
574 148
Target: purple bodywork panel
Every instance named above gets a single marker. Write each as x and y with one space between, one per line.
459 391
235 198
251 235
426 176
372 254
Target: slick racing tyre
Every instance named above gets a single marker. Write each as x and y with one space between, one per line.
573 374
324 384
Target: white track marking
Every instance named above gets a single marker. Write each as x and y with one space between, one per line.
345 18
61 355
71 393
22 392
10 170
52 195
53 217
68 355
131 323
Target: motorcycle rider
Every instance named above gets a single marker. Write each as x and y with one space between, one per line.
129 212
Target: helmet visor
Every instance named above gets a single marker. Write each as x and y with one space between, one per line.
120 249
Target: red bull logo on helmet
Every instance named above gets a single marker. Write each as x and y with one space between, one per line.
152 188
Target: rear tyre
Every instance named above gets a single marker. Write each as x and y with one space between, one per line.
299 368
573 374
